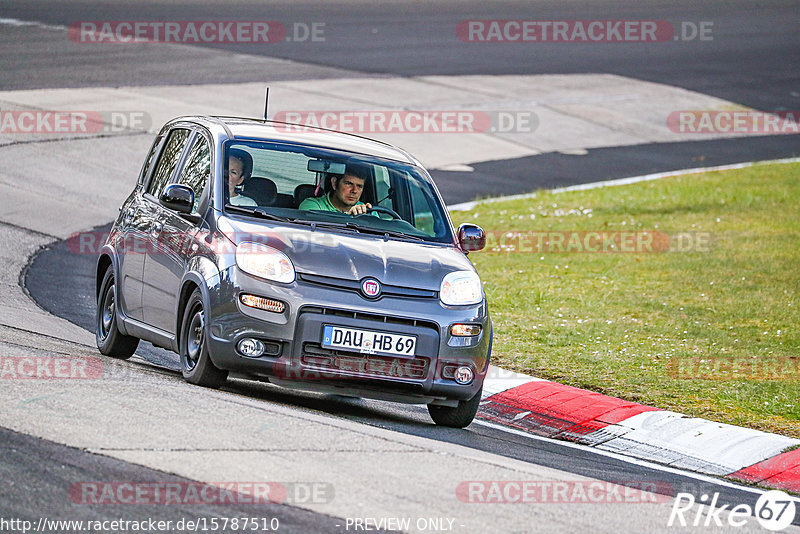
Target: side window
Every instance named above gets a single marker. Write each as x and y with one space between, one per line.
197 169
150 158
423 216
168 160
382 186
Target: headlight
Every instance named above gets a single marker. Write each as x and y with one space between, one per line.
264 262
460 288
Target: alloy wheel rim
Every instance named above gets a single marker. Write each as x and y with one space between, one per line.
108 313
195 337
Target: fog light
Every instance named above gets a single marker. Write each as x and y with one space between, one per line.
252 348
464 375
465 330
262 304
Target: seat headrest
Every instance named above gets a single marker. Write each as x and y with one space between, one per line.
304 191
262 190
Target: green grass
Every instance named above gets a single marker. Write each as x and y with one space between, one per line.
612 322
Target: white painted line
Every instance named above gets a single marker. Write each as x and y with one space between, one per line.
465 206
17 22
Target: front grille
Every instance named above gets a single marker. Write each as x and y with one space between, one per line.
370 317
317 357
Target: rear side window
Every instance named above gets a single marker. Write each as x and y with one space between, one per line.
197 169
168 160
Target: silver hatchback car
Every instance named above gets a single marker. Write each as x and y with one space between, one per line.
303 257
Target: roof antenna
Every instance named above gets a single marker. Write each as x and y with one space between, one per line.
266 104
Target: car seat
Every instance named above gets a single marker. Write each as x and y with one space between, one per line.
262 190
304 191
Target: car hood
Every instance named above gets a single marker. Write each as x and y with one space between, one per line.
355 256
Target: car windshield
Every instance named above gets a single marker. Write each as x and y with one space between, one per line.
314 185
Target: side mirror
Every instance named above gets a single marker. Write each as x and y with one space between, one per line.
471 237
178 197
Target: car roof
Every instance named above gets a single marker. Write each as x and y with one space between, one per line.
241 128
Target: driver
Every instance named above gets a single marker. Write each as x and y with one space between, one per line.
345 193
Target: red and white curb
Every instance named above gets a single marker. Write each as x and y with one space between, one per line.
553 410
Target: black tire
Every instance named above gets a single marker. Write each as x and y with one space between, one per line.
196 364
458 416
110 341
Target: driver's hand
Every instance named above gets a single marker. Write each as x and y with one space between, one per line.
359 209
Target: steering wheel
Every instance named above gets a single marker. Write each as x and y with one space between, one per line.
381 209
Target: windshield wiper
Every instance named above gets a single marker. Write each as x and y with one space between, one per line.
338 226
378 231
258 212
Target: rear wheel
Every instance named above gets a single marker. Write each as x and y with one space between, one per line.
110 341
456 416
196 364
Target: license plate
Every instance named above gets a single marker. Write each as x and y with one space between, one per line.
367 341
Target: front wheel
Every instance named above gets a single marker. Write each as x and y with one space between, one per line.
110 341
196 364
456 416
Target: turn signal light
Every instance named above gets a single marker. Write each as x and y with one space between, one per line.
465 330
261 303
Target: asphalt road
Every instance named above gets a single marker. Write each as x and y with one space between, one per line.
749 57
57 267
751 60
39 475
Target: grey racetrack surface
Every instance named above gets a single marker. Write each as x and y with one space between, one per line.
751 60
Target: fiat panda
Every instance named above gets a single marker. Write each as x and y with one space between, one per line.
300 256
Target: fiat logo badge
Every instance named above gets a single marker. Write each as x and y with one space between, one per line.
371 288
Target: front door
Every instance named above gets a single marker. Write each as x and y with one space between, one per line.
172 237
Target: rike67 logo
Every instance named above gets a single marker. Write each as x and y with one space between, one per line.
774 510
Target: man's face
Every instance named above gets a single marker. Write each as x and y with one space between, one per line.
347 191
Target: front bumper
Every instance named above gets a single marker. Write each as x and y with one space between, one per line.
297 359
